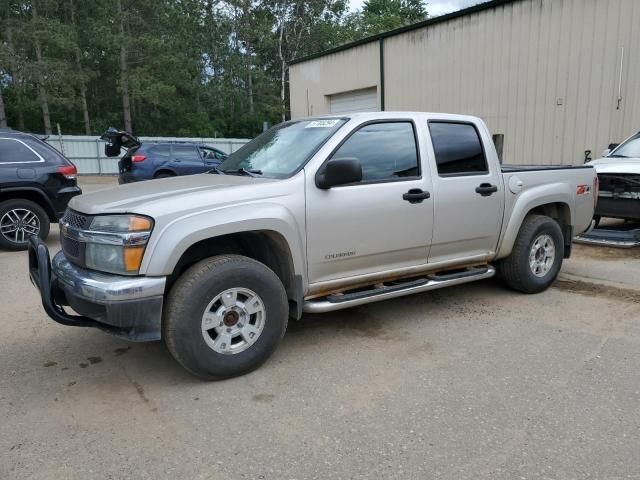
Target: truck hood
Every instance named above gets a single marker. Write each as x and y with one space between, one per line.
616 165
167 195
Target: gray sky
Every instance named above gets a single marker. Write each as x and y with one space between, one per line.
434 7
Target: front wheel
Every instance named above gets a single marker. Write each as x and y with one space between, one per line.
225 316
536 257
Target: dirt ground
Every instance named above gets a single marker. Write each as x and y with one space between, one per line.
470 382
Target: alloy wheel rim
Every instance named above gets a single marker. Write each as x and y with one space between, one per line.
233 321
542 255
19 224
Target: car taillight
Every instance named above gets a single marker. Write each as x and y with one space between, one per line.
138 158
69 171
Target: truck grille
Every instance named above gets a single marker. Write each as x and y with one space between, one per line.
73 249
75 219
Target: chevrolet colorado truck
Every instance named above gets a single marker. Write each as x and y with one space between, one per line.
314 215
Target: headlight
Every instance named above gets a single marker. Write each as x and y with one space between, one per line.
116 243
121 223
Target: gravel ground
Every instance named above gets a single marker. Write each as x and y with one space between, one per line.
469 382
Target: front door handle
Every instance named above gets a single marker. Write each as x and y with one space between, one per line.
486 189
415 195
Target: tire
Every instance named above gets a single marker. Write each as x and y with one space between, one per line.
28 217
517 270
200 291
163 175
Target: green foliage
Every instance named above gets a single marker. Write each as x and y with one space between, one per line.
383 15
192 67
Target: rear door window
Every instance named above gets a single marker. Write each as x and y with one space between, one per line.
45 150
185 152
458 149
14 151
160 150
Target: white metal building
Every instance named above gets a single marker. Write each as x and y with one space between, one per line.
555 77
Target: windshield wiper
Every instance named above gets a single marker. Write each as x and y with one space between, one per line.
618 156
217 170
249 172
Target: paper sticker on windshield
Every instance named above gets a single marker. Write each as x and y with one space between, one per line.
322 123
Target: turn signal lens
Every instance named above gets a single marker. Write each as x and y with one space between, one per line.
133 258
139 224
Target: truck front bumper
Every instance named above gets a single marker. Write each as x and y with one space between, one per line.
128 307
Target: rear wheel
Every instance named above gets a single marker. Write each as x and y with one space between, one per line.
536 257
225 316
19 220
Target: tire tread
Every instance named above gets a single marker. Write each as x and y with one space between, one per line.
513 268
179 296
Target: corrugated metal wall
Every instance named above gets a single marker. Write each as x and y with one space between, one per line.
87 152
311 83
545 73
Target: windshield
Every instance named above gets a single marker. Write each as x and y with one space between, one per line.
629 149
282 150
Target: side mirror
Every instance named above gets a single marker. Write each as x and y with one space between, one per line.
339 171
610 148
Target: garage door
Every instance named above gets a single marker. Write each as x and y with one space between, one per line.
365 100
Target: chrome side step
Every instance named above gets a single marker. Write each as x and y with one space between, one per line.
610 237
386 291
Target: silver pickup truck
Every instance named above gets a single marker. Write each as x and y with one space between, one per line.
314 215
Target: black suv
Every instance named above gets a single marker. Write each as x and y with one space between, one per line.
36 183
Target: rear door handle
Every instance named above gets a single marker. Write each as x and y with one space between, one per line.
415 195
486 189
